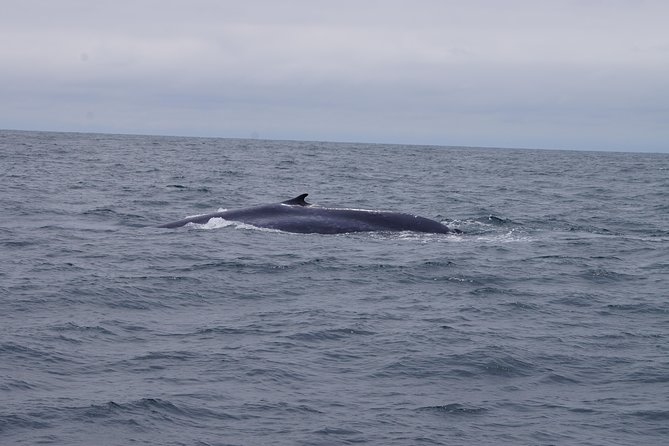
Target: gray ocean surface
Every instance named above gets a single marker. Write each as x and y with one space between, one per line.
545 322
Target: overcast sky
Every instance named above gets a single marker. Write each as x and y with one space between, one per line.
582 74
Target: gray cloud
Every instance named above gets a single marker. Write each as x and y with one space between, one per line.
587 75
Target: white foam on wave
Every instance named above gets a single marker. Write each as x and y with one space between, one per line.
413 236
218 222
213 223
511 236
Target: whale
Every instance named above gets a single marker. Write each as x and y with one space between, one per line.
298 216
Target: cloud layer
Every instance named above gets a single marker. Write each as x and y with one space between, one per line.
563 74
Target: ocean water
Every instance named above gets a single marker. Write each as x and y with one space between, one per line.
545 322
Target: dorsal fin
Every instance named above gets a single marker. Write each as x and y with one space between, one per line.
297 201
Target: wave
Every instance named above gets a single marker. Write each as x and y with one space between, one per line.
474 364
334 334
24 422
454 409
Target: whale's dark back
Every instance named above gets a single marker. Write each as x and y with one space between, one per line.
297 215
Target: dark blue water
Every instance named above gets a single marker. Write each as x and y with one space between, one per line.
546 322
